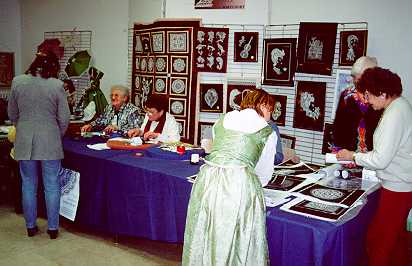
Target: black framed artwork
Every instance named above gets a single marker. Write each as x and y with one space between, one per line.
279 112
316 47
310 105
204 131
246 46
353 44
210 49
287 141
233 92
211 98
327 138
279 62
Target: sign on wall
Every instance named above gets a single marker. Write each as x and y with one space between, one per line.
219 4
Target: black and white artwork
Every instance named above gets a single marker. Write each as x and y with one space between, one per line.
234 91
210 49
160 85
279 111
179 64
205 131
353 44
177 106
158 41
178 86
284 182
329 195
161 64
316 47
146 42
182 127
178 42
310 105
246 46
279 62
211 98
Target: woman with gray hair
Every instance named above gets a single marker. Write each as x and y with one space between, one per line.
120 115
355 120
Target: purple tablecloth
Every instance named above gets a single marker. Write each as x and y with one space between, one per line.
122 193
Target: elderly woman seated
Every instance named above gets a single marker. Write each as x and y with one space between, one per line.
120 115
158 124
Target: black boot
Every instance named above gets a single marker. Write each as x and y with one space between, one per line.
32 231
53 233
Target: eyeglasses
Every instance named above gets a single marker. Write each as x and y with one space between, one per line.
366 95
150 112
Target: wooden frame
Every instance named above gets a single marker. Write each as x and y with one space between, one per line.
6 69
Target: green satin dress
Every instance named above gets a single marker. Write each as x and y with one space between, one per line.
226 219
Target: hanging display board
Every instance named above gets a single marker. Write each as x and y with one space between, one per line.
162 64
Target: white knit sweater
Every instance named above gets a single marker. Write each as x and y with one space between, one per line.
392 147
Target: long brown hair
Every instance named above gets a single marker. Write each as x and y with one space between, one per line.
46 64
255 99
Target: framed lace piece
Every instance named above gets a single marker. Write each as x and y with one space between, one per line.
353 44
279 62
211 98
316 47
310 105
279 112
246 46
210 49
235 93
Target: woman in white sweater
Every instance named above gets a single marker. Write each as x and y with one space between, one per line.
391 157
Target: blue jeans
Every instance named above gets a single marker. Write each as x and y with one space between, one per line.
29 174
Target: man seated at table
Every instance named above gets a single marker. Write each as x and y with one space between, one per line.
120 115
158 124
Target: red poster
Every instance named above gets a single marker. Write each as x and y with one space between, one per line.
219 4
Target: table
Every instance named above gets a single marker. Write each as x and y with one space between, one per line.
148 197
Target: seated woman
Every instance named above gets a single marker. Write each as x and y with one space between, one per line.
158 124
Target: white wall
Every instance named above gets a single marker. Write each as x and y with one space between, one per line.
389 23
390 37
144 11
107 19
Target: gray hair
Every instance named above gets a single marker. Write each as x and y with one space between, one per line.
125 90
363 63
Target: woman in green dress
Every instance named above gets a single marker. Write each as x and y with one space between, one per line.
226 220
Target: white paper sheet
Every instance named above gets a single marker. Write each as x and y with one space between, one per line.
331 158
98 146
69 188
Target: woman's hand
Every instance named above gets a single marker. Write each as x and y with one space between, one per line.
109 129
344 155
135 132
150 135
86 128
